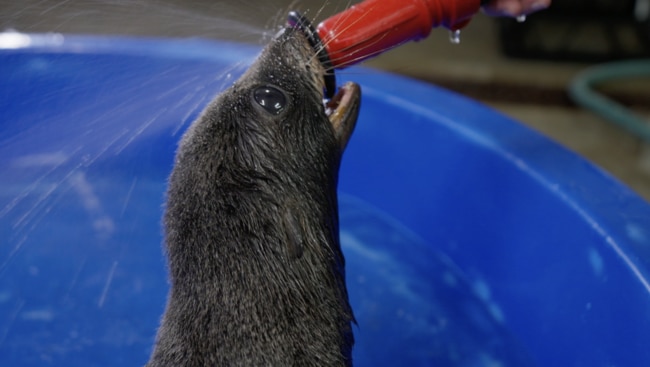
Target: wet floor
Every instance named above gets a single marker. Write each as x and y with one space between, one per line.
531 91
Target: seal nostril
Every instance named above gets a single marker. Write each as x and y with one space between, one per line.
271 99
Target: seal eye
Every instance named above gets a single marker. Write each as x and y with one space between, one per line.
271 99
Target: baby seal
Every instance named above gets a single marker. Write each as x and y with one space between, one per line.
251 223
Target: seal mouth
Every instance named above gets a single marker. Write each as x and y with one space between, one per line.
336 107
342 110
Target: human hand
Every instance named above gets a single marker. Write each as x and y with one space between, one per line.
514 8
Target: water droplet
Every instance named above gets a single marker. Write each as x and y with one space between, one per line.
521 18
454 36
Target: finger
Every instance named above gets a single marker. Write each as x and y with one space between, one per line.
511 8
530 6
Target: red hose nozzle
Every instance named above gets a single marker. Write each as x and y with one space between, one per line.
375 26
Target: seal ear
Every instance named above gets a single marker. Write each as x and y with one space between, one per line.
294 232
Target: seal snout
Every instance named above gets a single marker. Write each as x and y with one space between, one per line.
301 23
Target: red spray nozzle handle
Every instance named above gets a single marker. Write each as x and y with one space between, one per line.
374 26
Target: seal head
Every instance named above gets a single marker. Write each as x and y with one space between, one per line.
251 221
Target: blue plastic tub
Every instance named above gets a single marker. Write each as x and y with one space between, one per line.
470 240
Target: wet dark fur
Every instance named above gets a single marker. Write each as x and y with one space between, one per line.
257 273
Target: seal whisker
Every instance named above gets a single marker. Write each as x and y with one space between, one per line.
324 45
361 57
